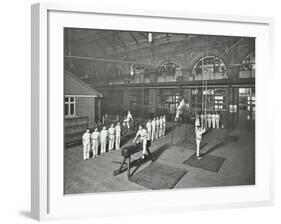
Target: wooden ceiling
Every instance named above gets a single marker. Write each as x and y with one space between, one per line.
108 42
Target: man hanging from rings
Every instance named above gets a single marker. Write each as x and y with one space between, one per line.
128 119
179 112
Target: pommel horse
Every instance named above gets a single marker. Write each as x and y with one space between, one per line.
126 152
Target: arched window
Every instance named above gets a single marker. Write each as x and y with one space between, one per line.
248 63
247 68
169 71
209 67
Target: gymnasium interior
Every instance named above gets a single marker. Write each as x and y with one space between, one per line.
110 72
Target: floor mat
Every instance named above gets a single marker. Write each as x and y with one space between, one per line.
158 176
207 162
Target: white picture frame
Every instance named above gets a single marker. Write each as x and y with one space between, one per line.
48 201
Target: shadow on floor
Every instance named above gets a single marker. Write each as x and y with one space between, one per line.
214 147
156 154
136 164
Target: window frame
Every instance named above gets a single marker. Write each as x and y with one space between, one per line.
69 103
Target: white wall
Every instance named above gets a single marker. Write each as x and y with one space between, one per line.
15 111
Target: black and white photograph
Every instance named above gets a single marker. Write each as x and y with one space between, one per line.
145 110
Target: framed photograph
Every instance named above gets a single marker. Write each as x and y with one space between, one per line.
148 111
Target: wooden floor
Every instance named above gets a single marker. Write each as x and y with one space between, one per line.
95 175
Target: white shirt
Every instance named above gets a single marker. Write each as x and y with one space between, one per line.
86 138
153 124
111 131
103 135
157 123
148 126
142 133
129 117
95 135
161 122
217 116
118 130
181 105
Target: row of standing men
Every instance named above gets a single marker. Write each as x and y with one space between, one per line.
156 128
112 137
210 120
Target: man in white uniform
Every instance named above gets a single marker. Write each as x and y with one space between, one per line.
202 117
198 132
157 128
103 139
197 120
179 111
164 125
153 129
214 120
149 129
111 134
217 120
86 140
95 136
128 119
142 134
118 136
160 127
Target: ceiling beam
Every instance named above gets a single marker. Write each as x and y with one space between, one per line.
108 43
134 38
95 36
143 35
120 40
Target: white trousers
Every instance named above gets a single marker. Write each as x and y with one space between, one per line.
111 142
86 150
153 132
198 147
209 123
95 146
157 133
117 142
103 146
144 142
218 123
214 123
149 133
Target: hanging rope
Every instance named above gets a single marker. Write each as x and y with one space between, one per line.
196 91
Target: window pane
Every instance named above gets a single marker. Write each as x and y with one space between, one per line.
66 99
71 99
66 109
71 109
